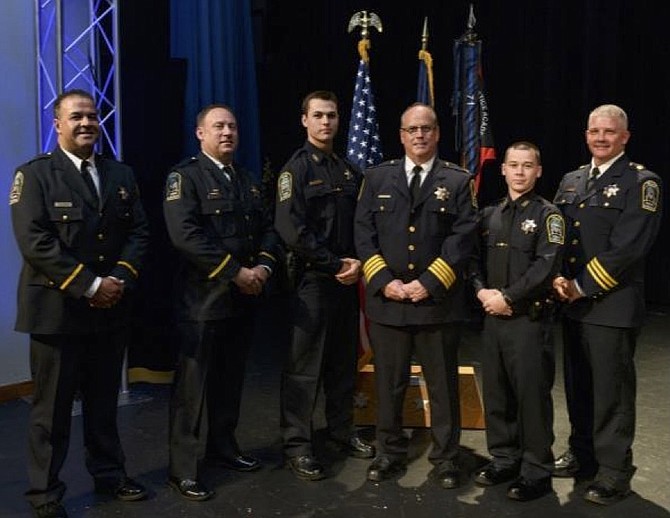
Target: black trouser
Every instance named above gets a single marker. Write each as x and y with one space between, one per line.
322 353
436 348
600 387
61 366
518 374
205 404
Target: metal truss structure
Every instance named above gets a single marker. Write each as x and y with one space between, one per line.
77 47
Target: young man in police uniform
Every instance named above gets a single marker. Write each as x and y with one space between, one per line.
83 240
223 233
612 208
521 240
316 199
415 231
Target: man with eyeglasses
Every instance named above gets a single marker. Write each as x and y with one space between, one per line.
414 233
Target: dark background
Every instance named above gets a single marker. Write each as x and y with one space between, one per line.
546 64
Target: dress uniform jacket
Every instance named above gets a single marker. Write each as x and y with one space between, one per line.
523 259
431 241
67 237
610 230
316 200
216 233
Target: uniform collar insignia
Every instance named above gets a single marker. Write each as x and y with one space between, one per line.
528 226
611 190
441 193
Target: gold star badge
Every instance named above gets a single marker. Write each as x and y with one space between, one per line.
441 193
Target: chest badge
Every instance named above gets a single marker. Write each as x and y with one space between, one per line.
611 190
123 193
442 194
528 226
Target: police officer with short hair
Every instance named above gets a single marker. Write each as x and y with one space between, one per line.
83 234
217 221
612 208
521 241
316 200
415 231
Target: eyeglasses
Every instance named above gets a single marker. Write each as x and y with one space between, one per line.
414 129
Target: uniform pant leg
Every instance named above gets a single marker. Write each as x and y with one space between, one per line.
529 358
578 391
614 389
227 368
188 415
102 361
437 350
392 348
301 375
54 365
340 355
500 405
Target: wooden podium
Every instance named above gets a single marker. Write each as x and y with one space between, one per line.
416 408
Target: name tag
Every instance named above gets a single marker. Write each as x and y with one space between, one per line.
62 204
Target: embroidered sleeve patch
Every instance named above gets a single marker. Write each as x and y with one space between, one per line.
555 229
650 195
285 186
173 187
17 188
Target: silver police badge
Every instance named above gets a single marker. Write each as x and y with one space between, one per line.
441 193
528 226
611 190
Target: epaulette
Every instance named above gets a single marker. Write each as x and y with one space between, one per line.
455 166
186 161
636 166
42 156
393 161
584 166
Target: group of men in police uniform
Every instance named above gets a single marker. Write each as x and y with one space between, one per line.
411 228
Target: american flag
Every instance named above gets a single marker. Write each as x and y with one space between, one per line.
363 142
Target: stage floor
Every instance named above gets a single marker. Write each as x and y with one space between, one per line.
274 491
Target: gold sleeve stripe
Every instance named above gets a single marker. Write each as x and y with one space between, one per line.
372 266
129 266
221 266
444 273
67 281
267 254
600 275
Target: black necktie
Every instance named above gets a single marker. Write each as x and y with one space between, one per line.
88 179
232 178
595 172
415 183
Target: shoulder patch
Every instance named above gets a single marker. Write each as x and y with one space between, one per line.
285 186
173 187
17 188
650 195
473 193
556 229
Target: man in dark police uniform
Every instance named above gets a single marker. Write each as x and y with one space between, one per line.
612 208
83 234
218 223
415 230
316 199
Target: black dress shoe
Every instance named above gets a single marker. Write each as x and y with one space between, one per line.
306 467
606 493
384 467
525 489
125 489
491 475
238 462
447 475
357 447
190 489
50 510
568 465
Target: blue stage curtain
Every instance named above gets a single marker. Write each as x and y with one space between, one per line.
215 38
